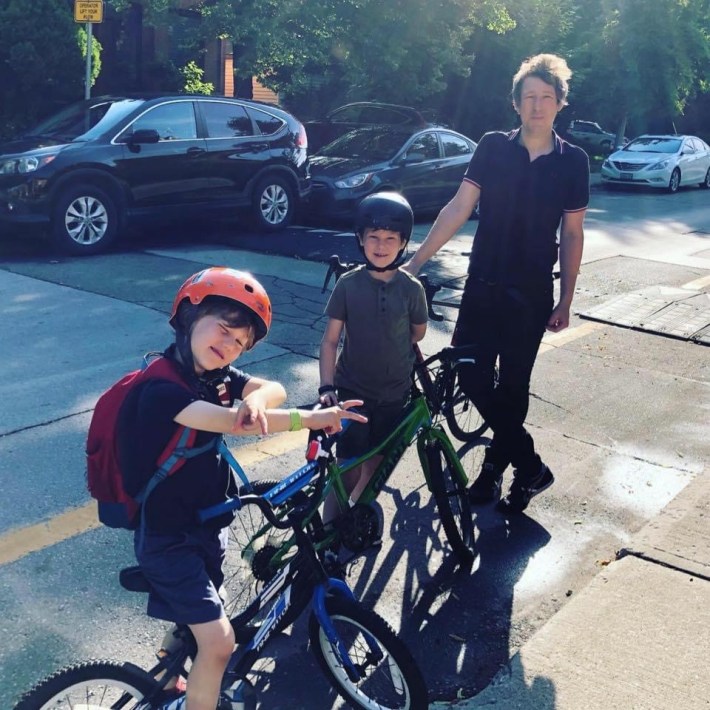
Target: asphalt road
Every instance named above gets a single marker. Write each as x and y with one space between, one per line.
619 415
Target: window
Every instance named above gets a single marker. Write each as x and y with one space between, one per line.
453 145
348 114
174 121
268 124
380 114
426 145
225 120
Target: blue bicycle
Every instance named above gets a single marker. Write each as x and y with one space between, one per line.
359 653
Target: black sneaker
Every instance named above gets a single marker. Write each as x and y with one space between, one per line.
486 487
522 491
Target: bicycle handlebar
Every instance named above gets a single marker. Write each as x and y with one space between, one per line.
337 268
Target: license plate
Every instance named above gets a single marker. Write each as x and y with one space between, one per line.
626 176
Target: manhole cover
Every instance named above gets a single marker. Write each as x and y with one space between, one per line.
673 312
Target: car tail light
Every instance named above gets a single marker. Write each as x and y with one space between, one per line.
301 137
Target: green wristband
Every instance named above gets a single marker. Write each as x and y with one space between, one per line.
295 417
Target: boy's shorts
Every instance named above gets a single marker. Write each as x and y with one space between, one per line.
185 573
383 418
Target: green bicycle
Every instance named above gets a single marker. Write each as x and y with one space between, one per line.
263 549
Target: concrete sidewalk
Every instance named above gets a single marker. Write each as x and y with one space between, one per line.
635 638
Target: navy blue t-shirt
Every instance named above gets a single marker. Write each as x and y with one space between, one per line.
521 206
145 425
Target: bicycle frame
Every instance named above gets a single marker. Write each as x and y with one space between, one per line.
285 592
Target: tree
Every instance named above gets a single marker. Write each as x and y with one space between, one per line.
644 61
41 64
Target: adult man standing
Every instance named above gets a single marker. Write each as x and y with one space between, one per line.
529 183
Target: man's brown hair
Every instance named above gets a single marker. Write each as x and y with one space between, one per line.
553 70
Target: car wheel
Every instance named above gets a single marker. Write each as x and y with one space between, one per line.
706 183
274 204
84 221
674 182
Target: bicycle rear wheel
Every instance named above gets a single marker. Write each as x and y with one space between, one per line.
464 420
91 686
452 501
390 678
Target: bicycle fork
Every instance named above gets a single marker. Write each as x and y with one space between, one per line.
356 672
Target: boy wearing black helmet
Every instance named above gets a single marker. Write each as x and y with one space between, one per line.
218 314
382 310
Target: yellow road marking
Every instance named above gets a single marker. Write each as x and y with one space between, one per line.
32 538
555 340
698 284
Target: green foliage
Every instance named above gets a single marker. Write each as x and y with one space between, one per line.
193 80
42 66
96 48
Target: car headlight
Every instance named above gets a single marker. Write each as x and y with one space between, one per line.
660 166
606 164
353 181
19 166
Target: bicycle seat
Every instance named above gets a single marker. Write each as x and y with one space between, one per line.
133 580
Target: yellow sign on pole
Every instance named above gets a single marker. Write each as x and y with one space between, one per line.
88 11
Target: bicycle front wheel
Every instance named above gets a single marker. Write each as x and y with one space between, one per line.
252 553
91 686
389 676
451 498
464 420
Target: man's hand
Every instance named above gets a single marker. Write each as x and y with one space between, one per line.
559 319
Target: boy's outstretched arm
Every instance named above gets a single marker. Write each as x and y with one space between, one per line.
206 416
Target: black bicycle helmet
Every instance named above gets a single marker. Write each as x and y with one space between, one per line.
385 210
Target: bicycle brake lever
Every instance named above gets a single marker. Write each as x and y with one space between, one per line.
328 276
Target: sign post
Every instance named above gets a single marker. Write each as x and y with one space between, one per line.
90 12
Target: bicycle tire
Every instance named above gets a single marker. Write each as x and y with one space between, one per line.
92 684
247 565
464 420
452 502
393 683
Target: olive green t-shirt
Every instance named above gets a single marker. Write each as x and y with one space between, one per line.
376 359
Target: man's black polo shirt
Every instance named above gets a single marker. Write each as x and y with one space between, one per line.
521 206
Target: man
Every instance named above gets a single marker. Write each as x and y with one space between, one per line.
529 183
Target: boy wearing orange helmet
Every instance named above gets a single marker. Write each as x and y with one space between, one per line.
218 314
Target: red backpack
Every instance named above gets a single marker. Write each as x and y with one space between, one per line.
103 473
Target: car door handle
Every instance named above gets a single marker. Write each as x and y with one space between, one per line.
195 152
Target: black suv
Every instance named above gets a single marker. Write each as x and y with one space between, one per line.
88 169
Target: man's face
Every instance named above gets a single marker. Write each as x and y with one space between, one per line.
538 105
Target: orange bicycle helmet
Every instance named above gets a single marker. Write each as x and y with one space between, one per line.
229 283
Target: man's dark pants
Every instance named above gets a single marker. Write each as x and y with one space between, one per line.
505 323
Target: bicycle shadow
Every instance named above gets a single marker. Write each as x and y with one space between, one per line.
456 621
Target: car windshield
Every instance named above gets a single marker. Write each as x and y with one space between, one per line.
84 121
366 145
651 144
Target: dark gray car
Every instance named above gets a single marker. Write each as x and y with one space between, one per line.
425 165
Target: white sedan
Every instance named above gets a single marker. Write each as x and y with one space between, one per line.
660 161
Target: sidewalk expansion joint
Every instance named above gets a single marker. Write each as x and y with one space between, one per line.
627 552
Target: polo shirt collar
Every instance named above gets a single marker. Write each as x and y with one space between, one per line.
558 143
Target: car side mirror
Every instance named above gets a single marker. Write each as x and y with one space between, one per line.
144 135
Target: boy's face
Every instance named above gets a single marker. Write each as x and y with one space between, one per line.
538 105
381 246
215 344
